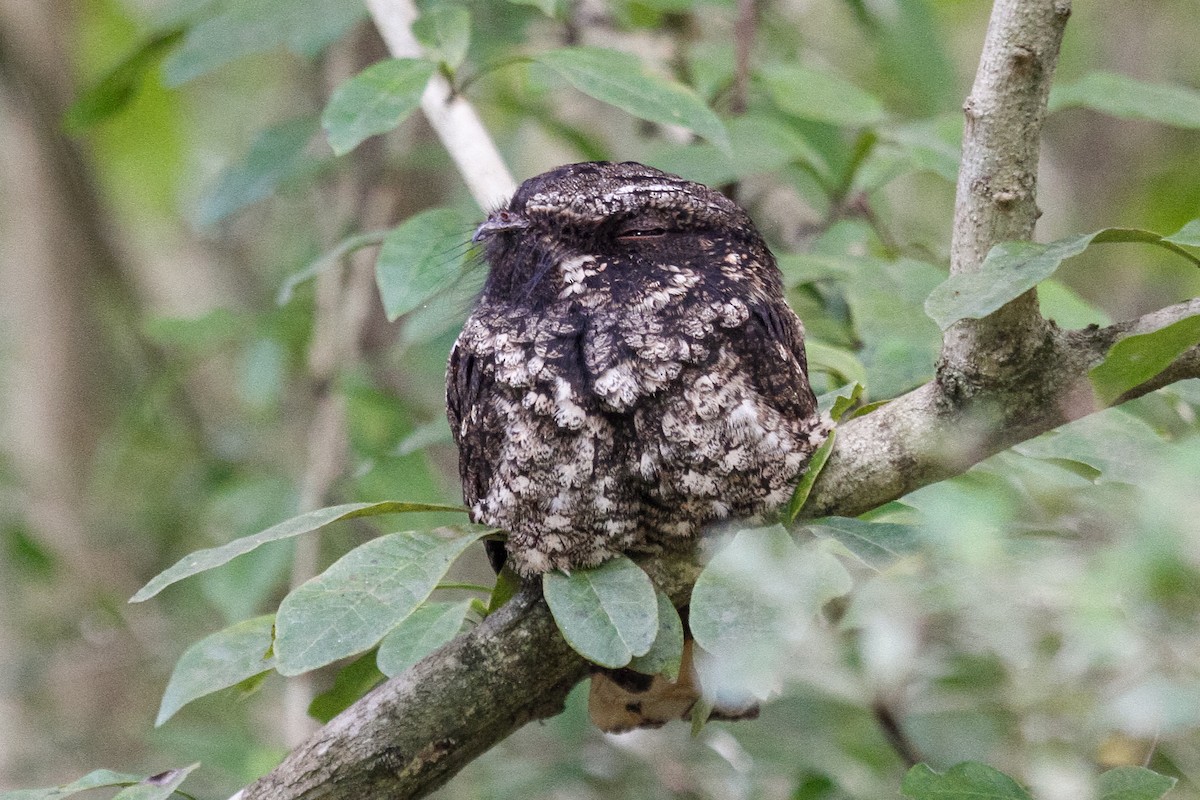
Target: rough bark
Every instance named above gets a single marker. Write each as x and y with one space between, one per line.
1000 381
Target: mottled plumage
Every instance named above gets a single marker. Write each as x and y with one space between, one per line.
631 371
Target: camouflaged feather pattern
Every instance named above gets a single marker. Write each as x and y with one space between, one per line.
631 371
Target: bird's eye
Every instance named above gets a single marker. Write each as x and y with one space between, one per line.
642 233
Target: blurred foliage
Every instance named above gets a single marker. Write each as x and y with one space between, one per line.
1039 614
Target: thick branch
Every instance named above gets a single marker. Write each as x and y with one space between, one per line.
1001 381
416 731
997 180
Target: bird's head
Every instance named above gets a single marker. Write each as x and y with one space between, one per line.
631 217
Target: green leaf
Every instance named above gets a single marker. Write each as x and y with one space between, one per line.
276 155
339 251
609 614
437 431
618 79
374 101
1115 443
666 654
202 560
551 8
97 779
836 361
1133 783
1188 235
365 594
1136 359
966 781
812 94
217 662
156 787
245 27
1063 304
900 345
352 682
804 487
752 605
420 258
843 401
108 96
422 632
876 544
1122 96
1013 268
445 32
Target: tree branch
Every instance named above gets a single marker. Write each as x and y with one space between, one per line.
450 115
997 180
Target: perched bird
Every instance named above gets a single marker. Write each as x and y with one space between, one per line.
631 371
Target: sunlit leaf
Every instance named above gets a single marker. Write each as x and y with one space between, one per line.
1136 359
618 79
365 594
445 32
217 662
815 465
352 682
254 26
110 95
821 96
1125 97
374 101
753 603
1013 268
966 780
277 154
665 655
608 614
422 632
202 560
876 544
1133 783
420 258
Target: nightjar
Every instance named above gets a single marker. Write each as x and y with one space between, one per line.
631 370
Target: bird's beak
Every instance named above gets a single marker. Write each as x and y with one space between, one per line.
500 222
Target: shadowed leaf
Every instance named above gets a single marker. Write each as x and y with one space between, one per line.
422 632
1136 359
967 780
618 79
365 594
609 614
217 662
374 101
1013 268
420 258
1125 97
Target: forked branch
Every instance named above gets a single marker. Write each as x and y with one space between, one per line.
414 732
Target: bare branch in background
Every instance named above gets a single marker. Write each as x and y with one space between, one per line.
452 117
